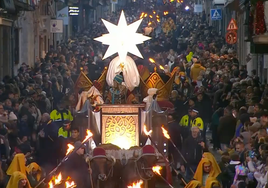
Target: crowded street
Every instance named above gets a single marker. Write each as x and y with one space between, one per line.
150 94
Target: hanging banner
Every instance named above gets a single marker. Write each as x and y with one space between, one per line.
63 15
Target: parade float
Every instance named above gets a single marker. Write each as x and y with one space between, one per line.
120 117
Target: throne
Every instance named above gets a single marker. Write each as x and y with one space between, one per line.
155 81
83 82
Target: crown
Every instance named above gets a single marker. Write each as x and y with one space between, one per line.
155 81
83 82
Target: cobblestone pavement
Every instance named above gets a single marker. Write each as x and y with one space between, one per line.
176 182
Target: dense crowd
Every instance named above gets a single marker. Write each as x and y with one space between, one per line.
212 91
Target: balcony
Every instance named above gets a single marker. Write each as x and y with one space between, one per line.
24 5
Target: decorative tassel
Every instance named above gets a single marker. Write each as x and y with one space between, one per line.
260 22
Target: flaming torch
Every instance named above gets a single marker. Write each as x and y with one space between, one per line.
69 152
156 170
148 133
165 133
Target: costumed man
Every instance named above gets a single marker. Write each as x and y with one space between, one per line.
89 99
206 174
118 92
122 77
149 99
18 180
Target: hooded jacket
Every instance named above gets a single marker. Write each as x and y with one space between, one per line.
195 71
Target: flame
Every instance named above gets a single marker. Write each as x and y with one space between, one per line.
150 23
145 130
58 179
165 133
154 12
166 13
161 67
157 16
142 14
156 169
151 60
50 184
136 185
158 20
69 184
70 148
89 134
151 16
145 15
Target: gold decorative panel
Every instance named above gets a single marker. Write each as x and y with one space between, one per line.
120 125
121 130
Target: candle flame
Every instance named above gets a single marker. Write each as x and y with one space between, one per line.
136 185
70 184
156 169
151 60
89 135
165 133
145 131
70 148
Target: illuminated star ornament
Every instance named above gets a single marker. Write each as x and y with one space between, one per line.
122 38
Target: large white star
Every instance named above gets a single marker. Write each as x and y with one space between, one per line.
122 38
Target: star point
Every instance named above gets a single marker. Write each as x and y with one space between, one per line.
122 38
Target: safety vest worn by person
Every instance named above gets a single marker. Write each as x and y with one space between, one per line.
57 116
63 133
197 122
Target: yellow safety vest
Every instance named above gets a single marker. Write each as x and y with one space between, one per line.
63 133
197 122
56 116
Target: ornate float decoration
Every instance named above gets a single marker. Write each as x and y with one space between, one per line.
122 38
155 81
83 82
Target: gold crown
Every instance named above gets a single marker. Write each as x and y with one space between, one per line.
83 82
155 81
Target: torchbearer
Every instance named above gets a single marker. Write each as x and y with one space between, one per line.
165 133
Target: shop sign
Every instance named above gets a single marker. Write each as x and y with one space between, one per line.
74 11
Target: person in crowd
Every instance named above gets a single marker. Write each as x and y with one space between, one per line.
18 180
226 129
192 150
190 120
205 173
77 168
